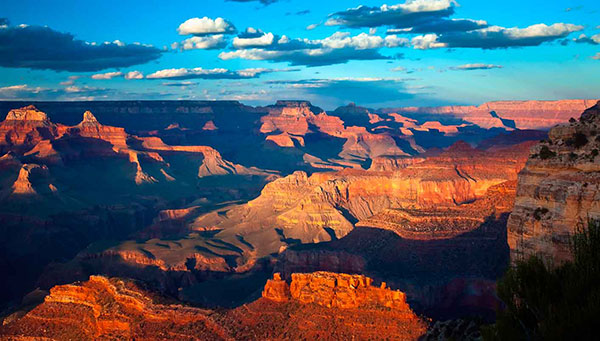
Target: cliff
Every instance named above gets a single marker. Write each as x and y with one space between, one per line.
558 190
509 114
103 308
330 289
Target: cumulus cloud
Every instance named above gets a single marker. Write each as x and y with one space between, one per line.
248 40
476 66
205 26
108 75
312 27
211 42
337 48
409 14
134 75
596 56
497 37
427 41
414 16
594 40
38 47
70 93
217 73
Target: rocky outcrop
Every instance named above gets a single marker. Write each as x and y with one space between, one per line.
558 190
286 140
102 308
330 289
26 127
510 114
23 186
210 126
89 127
212 164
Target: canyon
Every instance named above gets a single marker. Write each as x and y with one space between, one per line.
255 213
558 190
116 309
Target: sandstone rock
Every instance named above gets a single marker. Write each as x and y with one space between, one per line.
210 126
89 127
558 190
23 186
510 114
334 290
28 113
102 308
286 140
26 127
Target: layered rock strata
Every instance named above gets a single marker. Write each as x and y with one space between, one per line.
558 190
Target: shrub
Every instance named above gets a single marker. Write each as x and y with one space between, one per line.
546 153
544 302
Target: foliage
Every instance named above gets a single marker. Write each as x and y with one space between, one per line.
546 153
545 302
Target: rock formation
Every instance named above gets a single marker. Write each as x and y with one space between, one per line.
110 309
558 190
334 290
102 308
91 128
210 125
510 114
26 127
23 186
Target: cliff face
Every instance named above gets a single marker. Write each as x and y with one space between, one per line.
558 190
510 114
102 308
26 127
330 289
110 309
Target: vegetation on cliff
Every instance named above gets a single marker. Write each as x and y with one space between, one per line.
546 302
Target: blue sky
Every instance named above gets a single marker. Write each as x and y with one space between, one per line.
419 52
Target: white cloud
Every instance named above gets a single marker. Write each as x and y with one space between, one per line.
205 26
395 41
134 75
596 56
476 66
312 27
418 6
250 54
107 75
217 73
427 41
535 31
203 43
399 69
265 40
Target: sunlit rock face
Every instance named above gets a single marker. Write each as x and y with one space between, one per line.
558 190
26 127
90 127
330 289
510 114
103 308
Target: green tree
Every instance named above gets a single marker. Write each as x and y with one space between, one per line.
546 302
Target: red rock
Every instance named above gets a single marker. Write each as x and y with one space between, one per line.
558 190
525 114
